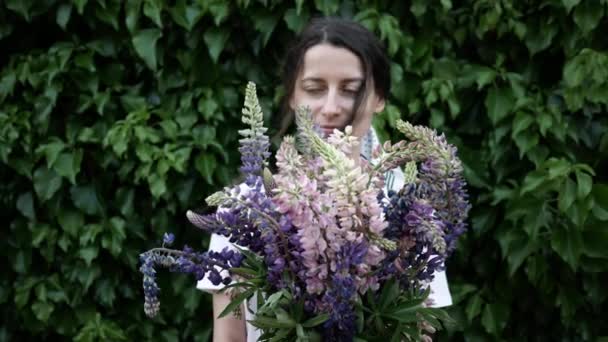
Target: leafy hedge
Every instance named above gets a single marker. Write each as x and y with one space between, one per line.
116 116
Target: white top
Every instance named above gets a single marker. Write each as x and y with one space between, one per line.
440 293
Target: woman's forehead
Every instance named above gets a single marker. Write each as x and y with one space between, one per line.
325 61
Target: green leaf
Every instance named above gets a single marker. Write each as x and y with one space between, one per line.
157 183
595 241
88 254
25 204
494 318
295 22
584 182
43 310
46 183
313 322
63 15
525 141
132 12
567 195
600 196
68 164
216 38
51 150
236 302
22 261
105 292
568 244
71 221
588 14
220 11
206 164
327 7
519 250
124 201
521 122
80 4
499 103
144 43
185 16
85 198
539 35
152 10
389 293
207 107
22 7
532 181
270 323
569 4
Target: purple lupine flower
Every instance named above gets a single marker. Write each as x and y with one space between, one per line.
210 264
168 239
151 289
254 144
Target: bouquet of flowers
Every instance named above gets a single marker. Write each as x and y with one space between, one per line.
328 254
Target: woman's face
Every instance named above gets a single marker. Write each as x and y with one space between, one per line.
328 83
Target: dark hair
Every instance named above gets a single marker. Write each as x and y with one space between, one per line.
342 33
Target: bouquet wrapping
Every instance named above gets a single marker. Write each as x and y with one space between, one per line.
328 253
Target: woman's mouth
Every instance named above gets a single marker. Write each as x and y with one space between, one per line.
328 130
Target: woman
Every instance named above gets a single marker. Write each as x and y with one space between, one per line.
340 71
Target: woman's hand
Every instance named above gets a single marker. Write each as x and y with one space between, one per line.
229 328
363 121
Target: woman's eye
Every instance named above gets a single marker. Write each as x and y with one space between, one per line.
314 91
351 92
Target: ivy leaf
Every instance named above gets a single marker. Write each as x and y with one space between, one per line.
144 43
215 38
600 196
22 7
327 7
568 244
588 14
152 10
206 164
157 183
71 221
219 10
265 22
85 198
585 183
499 103
46 183
88 254
526 141
532 181
539 35
80 4
567 195
494 318
185 16
124 201
22 261
132 11
569 4
595 241
473 308
25 204
295 22
521 122
43 310
68 165
51 150
63 15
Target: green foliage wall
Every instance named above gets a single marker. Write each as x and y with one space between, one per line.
117 116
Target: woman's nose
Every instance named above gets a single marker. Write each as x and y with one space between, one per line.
331 106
